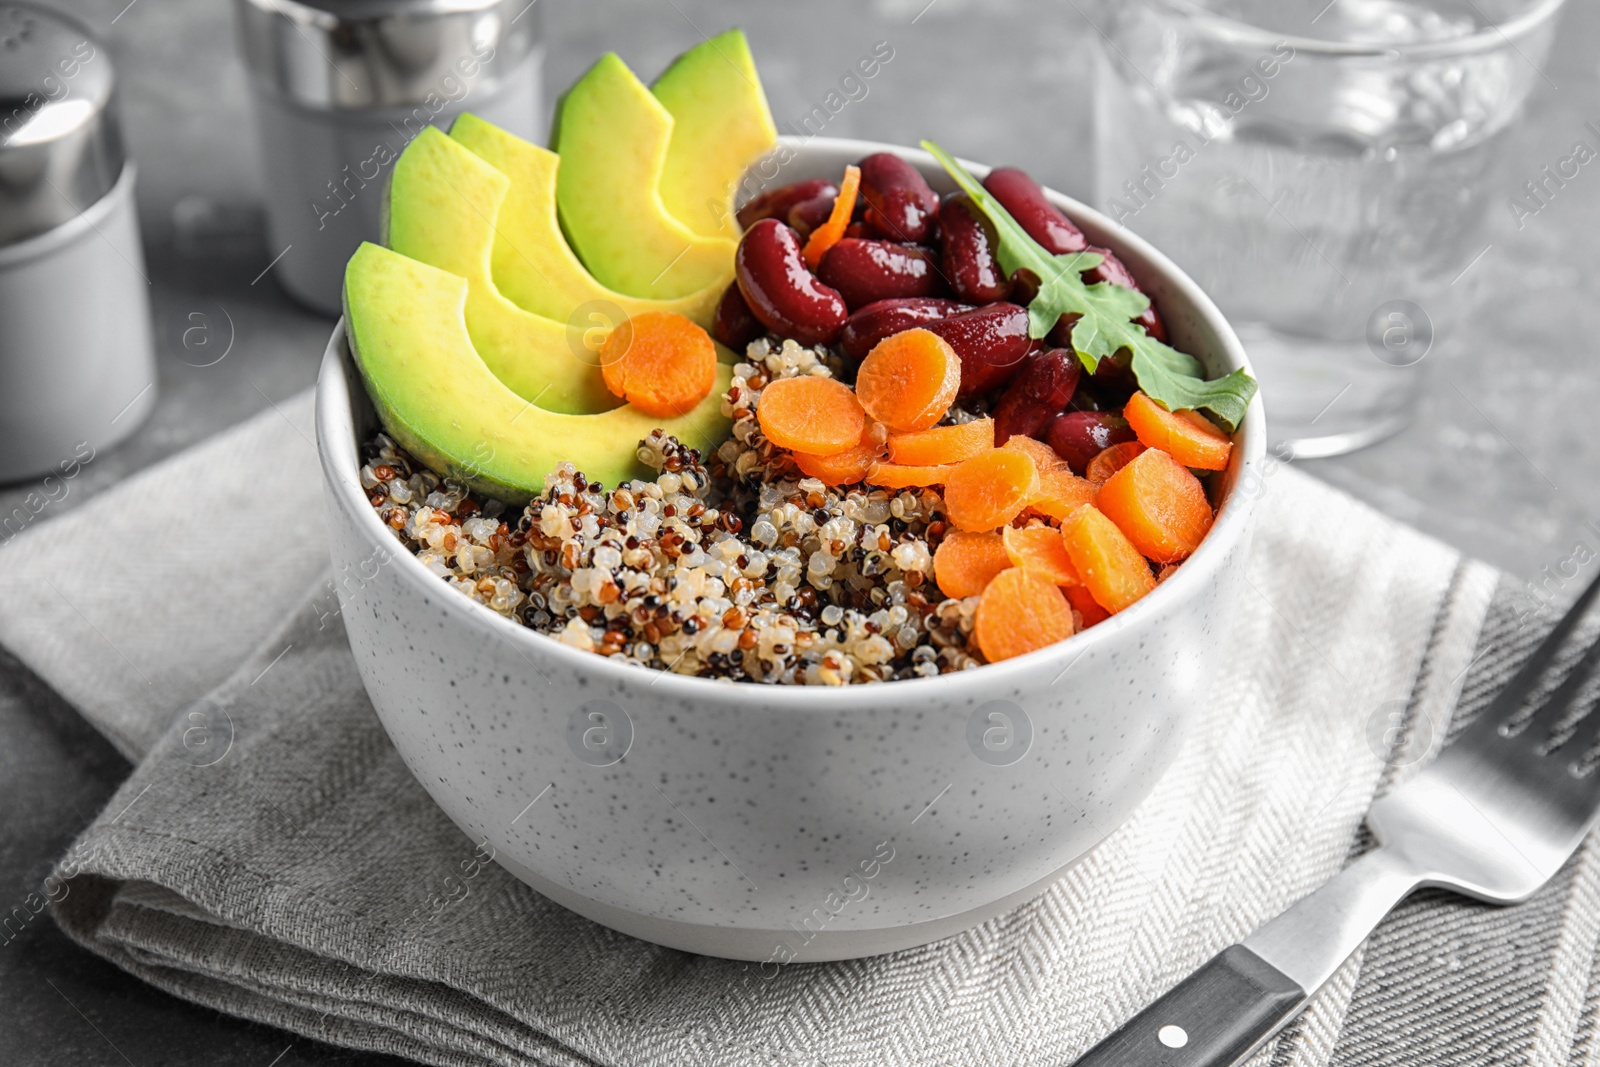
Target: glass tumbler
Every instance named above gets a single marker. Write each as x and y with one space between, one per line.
1321 168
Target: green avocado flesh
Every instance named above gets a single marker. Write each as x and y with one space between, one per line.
612 136
443 202
406 323
721 125
532 263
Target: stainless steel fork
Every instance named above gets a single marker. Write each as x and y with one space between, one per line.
1494 817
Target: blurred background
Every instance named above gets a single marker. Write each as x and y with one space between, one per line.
1500 459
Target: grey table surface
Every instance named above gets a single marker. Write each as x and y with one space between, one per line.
1500 461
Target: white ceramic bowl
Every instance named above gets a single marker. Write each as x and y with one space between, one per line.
775 823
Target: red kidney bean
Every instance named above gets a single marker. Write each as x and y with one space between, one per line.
865 272
1025 286
734 325
1023 198
775 203
992 342
900 204
1113 380
1041 390
871 324
967 243
807 215
781 291
1113 270
1109 387
1079 436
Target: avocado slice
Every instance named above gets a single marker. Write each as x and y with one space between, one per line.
721 125
441 210
612 136
532 263
406 323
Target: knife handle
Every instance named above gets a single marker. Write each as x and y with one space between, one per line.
1216 1017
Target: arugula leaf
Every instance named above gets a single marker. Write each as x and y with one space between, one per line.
1105 314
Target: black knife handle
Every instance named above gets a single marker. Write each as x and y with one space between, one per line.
1215 1017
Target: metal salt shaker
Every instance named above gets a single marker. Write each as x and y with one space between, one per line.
77 366
340 87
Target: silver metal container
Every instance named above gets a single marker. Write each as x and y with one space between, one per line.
77 368
342 86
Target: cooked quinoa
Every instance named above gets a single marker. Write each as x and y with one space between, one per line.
732 566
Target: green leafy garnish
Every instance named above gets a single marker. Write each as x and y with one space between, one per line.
1105 313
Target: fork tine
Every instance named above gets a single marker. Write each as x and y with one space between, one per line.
1583 736
1559 702
1510 697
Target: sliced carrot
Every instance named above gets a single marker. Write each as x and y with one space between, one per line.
942 444
1083 603
909 380
828 234
660 362
1060 492
818 416
1159 504
1040 549
900 476
1187 436
1110 460
989 490
1114 572
1020 612
964 563
1044 457
842 468
847 467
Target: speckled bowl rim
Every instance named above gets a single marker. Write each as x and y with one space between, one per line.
339 454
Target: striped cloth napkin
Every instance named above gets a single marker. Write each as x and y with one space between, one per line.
282 865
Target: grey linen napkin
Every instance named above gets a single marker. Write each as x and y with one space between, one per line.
272 857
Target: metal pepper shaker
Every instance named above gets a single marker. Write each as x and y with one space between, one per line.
77 365
340 87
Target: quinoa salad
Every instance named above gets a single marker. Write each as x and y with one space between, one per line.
828 430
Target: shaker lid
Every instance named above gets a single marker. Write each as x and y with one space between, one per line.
60 149
357 54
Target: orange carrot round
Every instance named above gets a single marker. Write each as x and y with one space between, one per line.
900 476
989 490
1020 612
1187 436
1044 457
847 467
1040 549
818 416
1112 570
1060 492
1083 603
964 563
660 362
942 444
1110 460
909 380
1159 504
828 234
